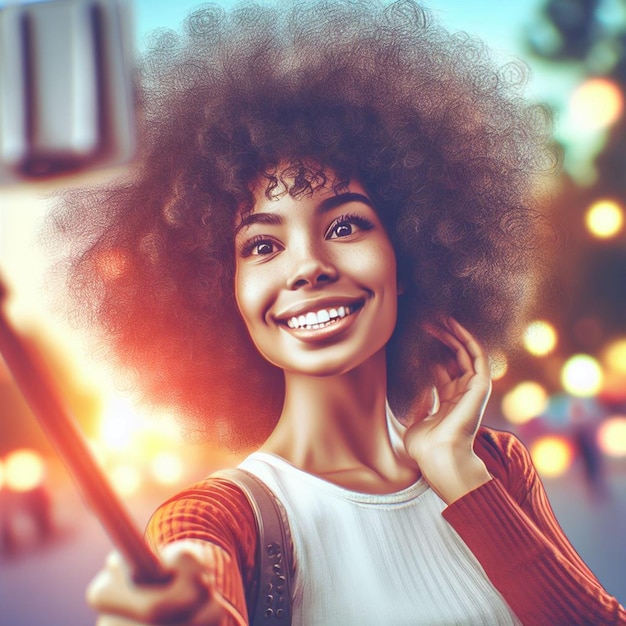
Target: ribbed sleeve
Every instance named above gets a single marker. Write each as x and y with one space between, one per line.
216 513
509 526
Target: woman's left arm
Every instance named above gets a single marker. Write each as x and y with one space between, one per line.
527 556
510 529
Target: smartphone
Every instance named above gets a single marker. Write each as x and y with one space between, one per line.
66 87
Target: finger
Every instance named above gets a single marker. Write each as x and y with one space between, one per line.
462 357
472 346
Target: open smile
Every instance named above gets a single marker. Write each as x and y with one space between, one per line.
320 318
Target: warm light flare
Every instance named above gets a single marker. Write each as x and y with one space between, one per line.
126 479
525 401
1 474
581 376
119 425
112 264
552 455
24 470
596 104
498 365
612 436
604 219
167 468
614 356
540 338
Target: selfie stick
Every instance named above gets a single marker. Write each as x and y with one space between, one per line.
40 393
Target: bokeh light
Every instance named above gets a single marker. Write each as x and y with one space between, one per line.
1 473
612 436
126 479
604 219
498 365
614 356
581 376
525 401
540 338
552 455
119 424
167 468
596 104
24 470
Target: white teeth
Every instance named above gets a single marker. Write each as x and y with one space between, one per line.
323 316
319 319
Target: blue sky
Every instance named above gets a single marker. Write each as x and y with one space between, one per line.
501 24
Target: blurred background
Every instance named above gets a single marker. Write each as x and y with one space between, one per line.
564 395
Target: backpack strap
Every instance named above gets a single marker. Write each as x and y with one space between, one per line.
271 604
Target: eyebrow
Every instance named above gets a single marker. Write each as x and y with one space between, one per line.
328 204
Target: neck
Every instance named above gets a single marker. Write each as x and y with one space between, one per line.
336 427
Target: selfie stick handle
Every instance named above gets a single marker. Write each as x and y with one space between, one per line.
38 390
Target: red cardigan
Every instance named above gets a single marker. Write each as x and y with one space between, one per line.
507 523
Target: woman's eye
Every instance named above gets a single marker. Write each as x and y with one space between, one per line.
341 230
347 225
258 246
264 247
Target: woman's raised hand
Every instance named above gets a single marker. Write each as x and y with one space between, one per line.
442 443
187 599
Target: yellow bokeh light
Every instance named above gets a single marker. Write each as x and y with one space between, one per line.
24 470
540 338
581 376
167 468
614 356
596 104
126 479
1 474
552 455
604 219
612 436
524 402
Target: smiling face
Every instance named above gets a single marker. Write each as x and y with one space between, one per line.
316 280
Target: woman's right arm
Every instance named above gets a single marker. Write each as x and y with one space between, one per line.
206 536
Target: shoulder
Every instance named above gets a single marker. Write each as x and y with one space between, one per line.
214 509
506 458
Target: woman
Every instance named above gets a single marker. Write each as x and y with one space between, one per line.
330 194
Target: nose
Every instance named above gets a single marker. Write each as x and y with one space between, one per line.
311 269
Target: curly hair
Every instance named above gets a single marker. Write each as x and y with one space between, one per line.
439 135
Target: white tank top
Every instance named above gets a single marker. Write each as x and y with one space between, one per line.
377 560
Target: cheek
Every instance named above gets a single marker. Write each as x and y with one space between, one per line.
245 297
252 297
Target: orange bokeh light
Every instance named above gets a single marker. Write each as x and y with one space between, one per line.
552 455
